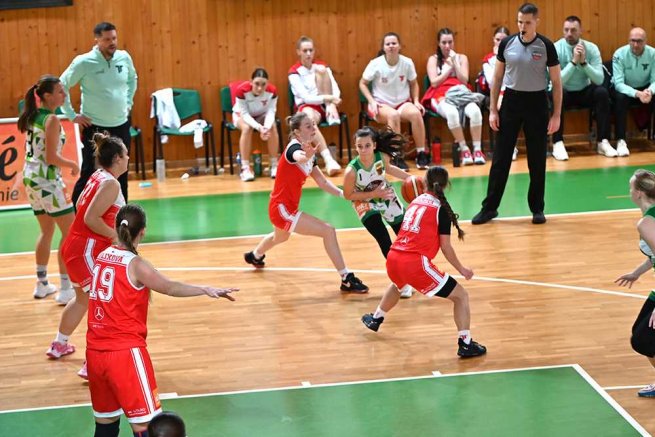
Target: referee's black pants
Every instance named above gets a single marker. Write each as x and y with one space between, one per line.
89 160
527 110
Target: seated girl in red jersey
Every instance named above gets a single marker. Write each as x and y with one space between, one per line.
121 377
254 110
296 164
91 233
425 230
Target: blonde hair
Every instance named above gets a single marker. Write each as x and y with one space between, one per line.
645 182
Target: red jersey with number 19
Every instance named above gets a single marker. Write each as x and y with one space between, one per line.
419 232
118 309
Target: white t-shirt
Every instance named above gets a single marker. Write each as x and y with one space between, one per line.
390 83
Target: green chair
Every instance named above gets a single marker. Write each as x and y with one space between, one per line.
139 159
227 127
187 104
364 118
343 126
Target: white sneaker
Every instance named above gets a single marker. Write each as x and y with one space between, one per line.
332 120
65 295
515 153
465 157
332 167
246 175
605 148
273 172
622 148
83 372
406 291
559 151
41 291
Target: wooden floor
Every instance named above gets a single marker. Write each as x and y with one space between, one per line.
291 324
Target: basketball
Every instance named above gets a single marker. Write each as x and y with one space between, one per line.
412 187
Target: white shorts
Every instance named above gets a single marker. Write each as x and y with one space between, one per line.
51 198
236 117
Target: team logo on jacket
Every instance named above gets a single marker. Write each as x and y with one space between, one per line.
119 68
536 56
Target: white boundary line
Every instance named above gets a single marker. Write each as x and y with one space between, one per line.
619 409
624 387
239 237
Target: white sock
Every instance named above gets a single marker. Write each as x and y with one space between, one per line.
273 161
379 313
245 164
420 149
42 274
61 338
463 146
465 335
477 145
64 282
257 254
343 273
326 155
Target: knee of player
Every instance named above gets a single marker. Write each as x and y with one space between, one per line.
475 116
641 346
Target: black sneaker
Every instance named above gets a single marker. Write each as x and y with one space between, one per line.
538 218
422 160
400 163
483 217
353 284
473 349
252 259
371 322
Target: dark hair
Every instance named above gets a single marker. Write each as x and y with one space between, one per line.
386 140
294 121
107 148
303 39
573 18
645 182
130 220
529 8
166 424
102 27
46 84
442 32
381 51
501 29
259 72
437 180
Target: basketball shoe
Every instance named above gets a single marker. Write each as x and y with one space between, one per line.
422 160
352 284
252 259
41 290
58 350
371 322
65 295
473 349
83 373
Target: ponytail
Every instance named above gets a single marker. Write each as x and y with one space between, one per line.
46 84
437 180
386 140
130 220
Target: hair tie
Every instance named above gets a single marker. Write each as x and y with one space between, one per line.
124 222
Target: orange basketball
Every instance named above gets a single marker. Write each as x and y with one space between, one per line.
412 188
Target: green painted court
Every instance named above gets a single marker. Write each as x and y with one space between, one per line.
549 401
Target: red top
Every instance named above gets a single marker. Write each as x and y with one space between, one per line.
419 232
290 178
79 227
118 310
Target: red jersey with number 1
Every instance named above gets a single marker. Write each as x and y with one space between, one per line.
118 309
419 232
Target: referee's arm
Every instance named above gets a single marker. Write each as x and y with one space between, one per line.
556 78
499 74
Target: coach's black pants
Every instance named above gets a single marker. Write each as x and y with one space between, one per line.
527 110
88 158
622 103
593 96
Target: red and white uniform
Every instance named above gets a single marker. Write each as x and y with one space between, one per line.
291 176
82 245
121 377
409 261
303 86
434 95
390 82
256 111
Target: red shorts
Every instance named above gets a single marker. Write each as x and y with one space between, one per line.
79 254
318 108
123 382
282 217
409 268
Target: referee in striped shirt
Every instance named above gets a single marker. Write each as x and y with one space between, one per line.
522 63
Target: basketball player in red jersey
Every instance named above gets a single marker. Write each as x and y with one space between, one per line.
296 164
121 377
425 230
91 233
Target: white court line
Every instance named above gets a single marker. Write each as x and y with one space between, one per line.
306 384
239 237
625 387
619 409
376 272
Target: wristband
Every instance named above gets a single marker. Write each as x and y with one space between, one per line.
584 64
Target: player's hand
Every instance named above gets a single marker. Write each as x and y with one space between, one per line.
466 272
553 124
494 120
82 120
627 279
220 292
383 192
419 107
75 169
374 108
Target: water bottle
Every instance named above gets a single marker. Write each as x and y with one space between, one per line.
435 150
160 170
237 159
257 160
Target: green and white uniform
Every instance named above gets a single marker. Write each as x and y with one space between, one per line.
368 179
643 246
44 185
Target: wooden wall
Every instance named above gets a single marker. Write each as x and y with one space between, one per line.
204 44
